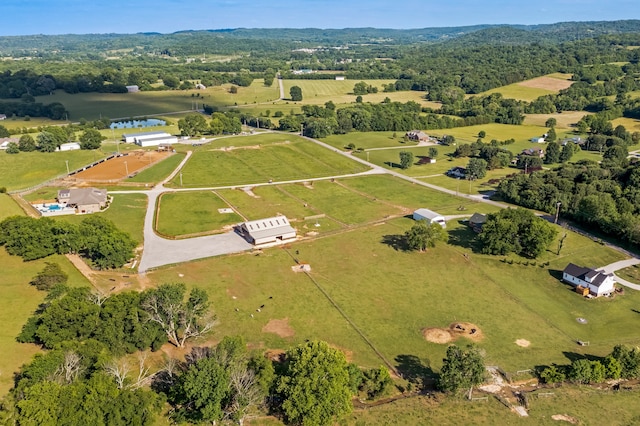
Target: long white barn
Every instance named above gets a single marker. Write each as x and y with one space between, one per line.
268 231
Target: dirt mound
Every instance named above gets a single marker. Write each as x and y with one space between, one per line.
546 83
455 330
279 327
523 343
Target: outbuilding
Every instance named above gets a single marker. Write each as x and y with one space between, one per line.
69 146
131 137
271 230
165 139
430 217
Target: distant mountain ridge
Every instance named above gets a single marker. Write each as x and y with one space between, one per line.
251 39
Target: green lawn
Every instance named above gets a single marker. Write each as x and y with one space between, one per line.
126 211
26 169
293 158
186 213
267 201
8 207
368 140
160 171
519 92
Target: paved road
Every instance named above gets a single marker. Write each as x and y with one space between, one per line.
613 267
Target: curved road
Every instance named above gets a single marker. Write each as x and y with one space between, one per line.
159 251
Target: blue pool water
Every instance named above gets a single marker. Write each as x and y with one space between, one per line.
54 207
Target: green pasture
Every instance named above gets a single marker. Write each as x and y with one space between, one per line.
586 404
26 169
390 159
342 204
397 191
8 207
368 140
631 124
183 213
126 211
632 273
42 194
92 106
160 171
392 295
295 159
267 201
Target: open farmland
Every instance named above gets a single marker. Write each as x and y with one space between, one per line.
291 158
530 90
92 106
392 295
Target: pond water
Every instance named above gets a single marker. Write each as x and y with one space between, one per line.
135 124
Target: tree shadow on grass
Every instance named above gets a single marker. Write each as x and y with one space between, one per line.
574 356
392 164
465 237
415 371
396 242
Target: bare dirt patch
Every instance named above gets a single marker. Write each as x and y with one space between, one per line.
523 343
453 332
280 327
115 168
547 83
249 191
437 335
565 418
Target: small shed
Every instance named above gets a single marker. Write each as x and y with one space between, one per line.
133 88
476 221
69 146
430 216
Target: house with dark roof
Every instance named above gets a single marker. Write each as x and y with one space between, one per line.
272 230
476 221
417 135
534 152
598 283
84 200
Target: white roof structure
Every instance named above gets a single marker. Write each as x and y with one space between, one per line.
156 140
69 146
131 137
269 230
430 216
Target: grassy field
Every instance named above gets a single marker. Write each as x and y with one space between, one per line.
92 106
292 158
391 295
584 405
631 124
532 89
26 169
160 171
8 207
368 140
126 211
266 201
191 213
564 120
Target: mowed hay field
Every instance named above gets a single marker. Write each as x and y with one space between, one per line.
274 157
532 89
392 295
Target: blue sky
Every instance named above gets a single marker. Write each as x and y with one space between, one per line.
21 17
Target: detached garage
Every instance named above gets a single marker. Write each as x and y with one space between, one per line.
429 216
268 231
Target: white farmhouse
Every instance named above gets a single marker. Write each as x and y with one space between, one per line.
430 217
598 283
268 231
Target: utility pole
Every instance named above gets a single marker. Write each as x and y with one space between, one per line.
181 179
126 168
557 211
67 163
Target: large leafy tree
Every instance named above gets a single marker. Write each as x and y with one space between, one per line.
476 168
314 385
296 93
193 125
406 159
91 139
516 231
104 244
26 143
423 235
462 368
46 142
181 320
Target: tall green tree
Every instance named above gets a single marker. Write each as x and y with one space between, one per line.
552 155
46 142
91 139
406 159
314 386
193 125
461 368
296 93
49 277
26 143
476 168
423 235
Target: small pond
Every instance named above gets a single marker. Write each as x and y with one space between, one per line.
135 124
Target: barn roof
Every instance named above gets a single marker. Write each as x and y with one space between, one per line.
271 226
